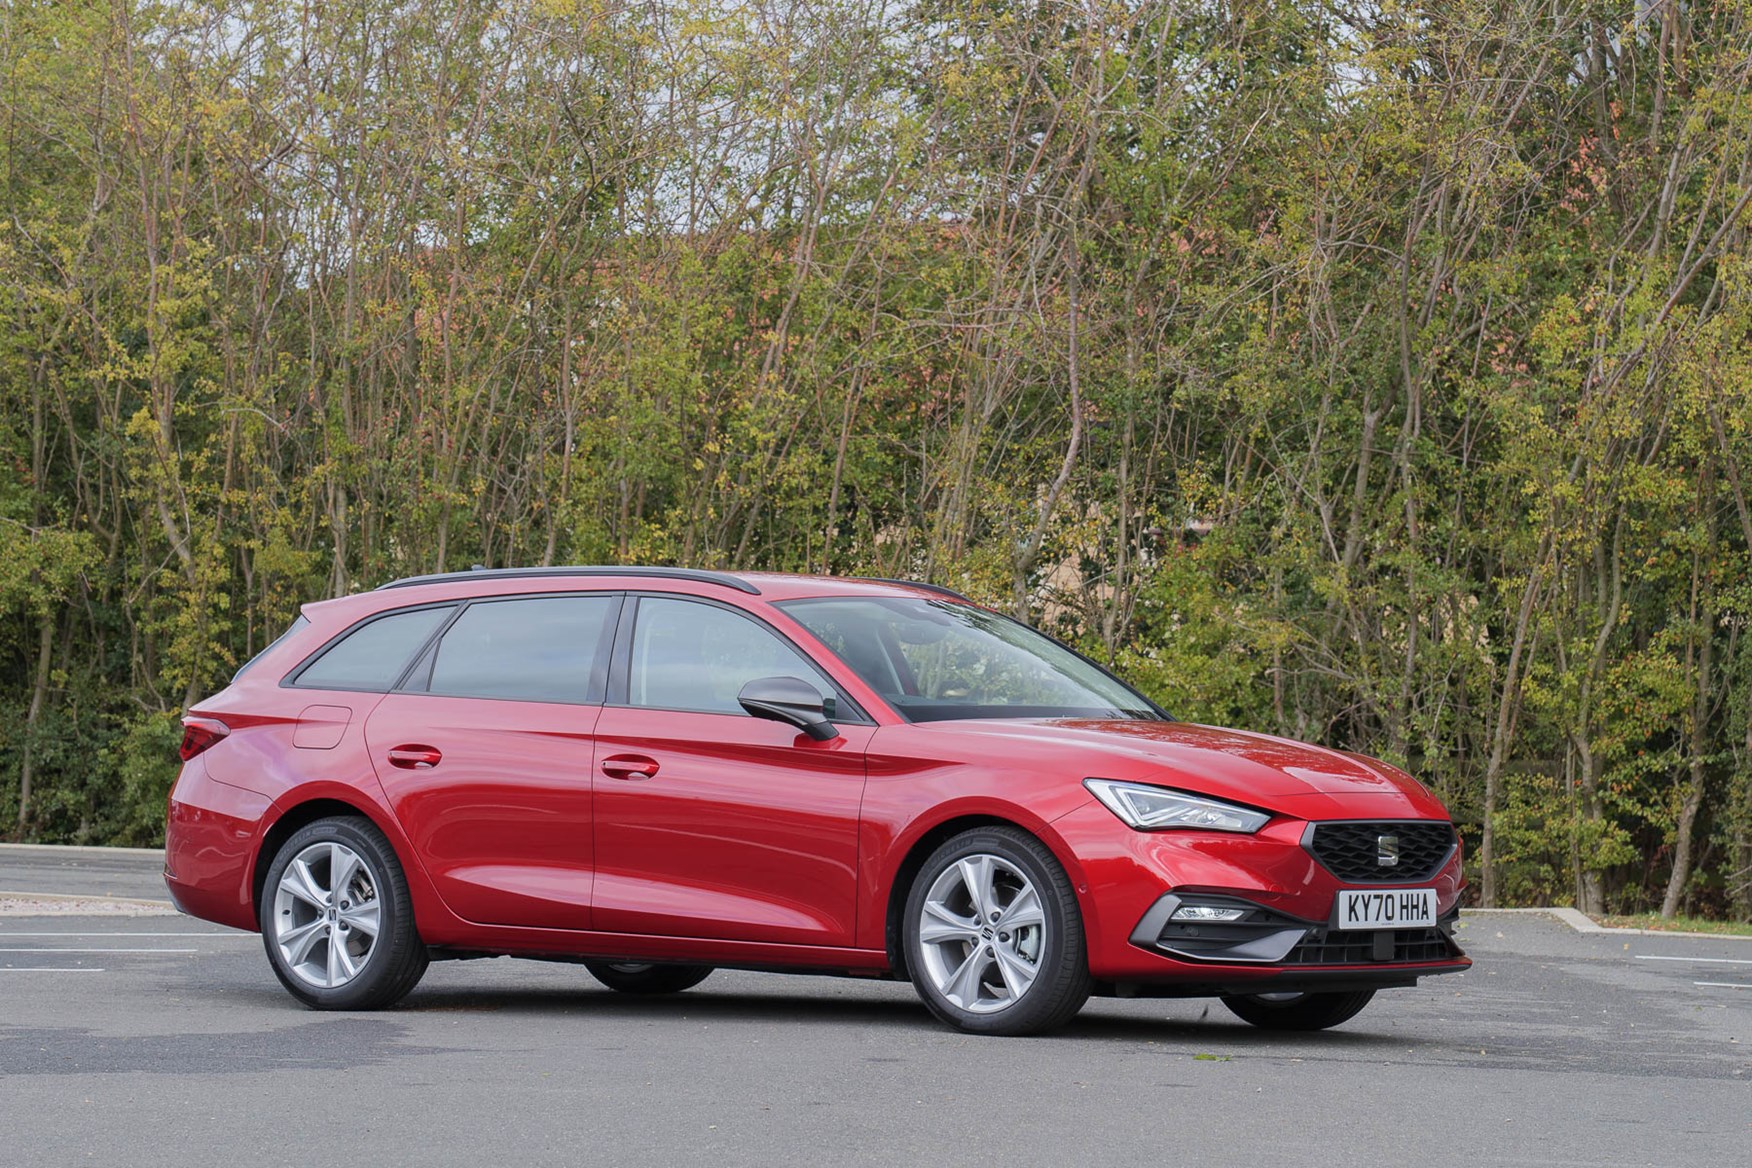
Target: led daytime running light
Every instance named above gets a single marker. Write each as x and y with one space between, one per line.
1148 808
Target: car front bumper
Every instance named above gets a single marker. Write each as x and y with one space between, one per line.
1133 880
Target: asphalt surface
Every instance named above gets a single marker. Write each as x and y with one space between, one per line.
164 1040
113 872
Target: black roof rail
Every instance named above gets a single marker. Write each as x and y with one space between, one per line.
939 589
697 575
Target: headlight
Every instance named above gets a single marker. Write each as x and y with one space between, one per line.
1153 808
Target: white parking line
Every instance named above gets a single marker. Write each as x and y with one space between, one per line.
6 933
62 950
1705 960
1724 985
48 969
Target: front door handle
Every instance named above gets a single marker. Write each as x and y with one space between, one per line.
629 766
414 756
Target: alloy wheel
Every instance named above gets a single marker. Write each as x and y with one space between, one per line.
326 915
982 931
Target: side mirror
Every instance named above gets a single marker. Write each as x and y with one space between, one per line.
789 700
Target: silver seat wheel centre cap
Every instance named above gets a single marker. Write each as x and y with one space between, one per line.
982 931
326 915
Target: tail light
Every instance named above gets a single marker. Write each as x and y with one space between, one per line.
199 734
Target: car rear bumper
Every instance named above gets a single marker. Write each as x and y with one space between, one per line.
211 835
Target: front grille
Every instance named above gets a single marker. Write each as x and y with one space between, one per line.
1336 948
1353 851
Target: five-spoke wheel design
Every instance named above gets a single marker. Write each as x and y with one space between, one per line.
336 917
993 936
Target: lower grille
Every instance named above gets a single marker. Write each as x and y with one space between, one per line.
1340 948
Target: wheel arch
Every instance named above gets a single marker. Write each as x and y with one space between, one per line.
300 815
928 841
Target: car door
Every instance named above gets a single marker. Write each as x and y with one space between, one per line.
710 822
484 753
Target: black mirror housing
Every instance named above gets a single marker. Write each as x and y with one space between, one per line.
790 700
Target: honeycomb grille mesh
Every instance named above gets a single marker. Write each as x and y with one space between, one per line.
1336 948
1352 851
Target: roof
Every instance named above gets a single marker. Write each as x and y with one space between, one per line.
767 585
482 573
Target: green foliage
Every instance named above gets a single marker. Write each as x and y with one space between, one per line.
1374 376
1197 648
137 768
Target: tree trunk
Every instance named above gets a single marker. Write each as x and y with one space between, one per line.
1700 655
1029 553
38 696
1499 746
1681 875
1740 878
1591 885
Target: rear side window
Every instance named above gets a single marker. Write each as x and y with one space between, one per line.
538 649
373 655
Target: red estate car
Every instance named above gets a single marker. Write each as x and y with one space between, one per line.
656 771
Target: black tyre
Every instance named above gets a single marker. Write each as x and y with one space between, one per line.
336 918
633 977
993 937
1297 1011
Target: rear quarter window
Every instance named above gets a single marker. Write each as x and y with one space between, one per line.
539 649
371 656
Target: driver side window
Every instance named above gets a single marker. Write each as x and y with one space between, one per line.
689 656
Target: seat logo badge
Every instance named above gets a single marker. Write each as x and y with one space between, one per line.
1386 851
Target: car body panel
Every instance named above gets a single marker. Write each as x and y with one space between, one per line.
747 832
214 827
1128 871
1253 769
502 821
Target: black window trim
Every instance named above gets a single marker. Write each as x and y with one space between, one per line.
597 687
294 679
846 710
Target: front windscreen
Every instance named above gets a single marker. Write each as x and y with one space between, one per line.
934 660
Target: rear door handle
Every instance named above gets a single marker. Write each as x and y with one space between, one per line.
629 766
415 757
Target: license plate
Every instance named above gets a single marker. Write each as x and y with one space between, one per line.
1386 908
